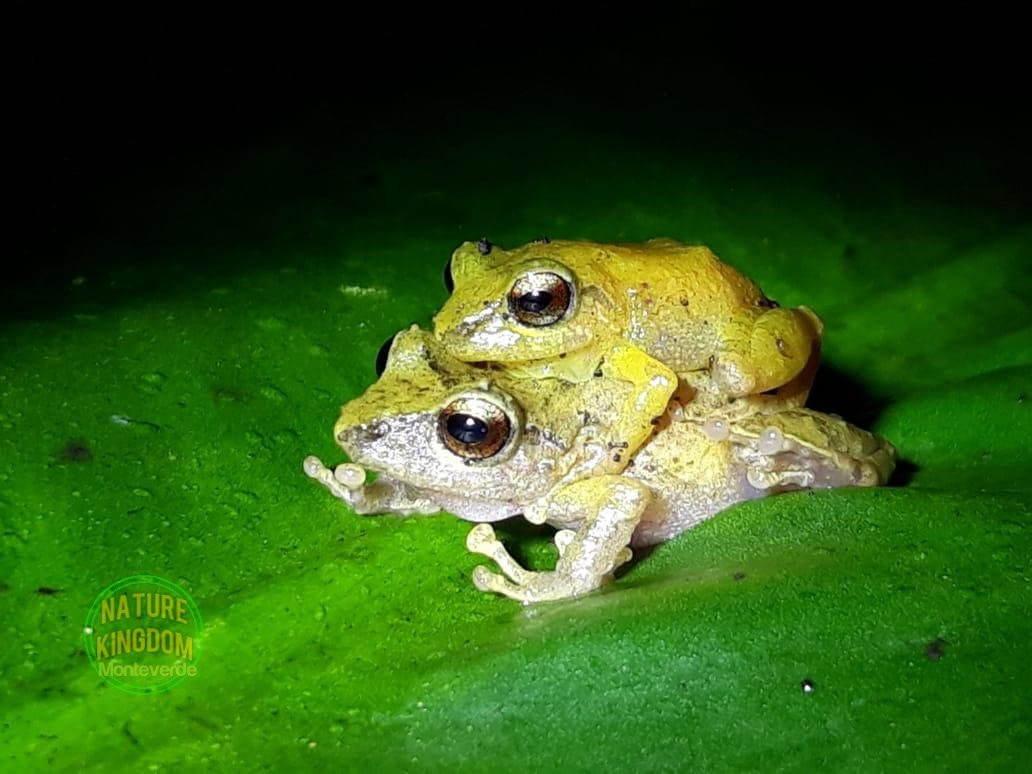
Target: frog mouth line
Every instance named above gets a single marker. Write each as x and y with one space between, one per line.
464 504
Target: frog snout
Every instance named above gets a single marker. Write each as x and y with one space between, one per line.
373 431
355 438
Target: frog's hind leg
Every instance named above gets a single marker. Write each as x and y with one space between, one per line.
769 353
563 538
804 449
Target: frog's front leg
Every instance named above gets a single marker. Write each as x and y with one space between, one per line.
653 383
347 482
768 351
608 507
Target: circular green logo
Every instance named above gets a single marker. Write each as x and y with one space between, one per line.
143 634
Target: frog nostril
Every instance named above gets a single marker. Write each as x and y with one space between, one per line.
374 432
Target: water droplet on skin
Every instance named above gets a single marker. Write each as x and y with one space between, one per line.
716 429
771 441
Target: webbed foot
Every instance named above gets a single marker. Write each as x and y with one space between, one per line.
587 557
516 582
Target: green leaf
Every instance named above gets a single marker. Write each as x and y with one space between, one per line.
154 415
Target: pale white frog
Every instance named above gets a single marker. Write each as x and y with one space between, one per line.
445 436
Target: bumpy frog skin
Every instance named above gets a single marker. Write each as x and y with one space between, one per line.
555 308
481 444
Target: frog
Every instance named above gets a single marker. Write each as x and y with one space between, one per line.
555 308
436 434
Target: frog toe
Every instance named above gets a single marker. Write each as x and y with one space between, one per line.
536 587
485 580
482 540
337 485
492 582
563 538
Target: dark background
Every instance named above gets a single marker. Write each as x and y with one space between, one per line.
107 135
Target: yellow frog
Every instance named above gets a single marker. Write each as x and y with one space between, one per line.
556 308
442 435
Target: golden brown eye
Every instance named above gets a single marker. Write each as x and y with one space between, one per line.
474 428
540 298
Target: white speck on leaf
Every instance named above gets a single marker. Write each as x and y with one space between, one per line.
359 291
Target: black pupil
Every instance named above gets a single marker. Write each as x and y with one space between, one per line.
381 356
467 429
536 301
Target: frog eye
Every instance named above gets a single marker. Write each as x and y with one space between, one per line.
383 354
474 428
540 298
